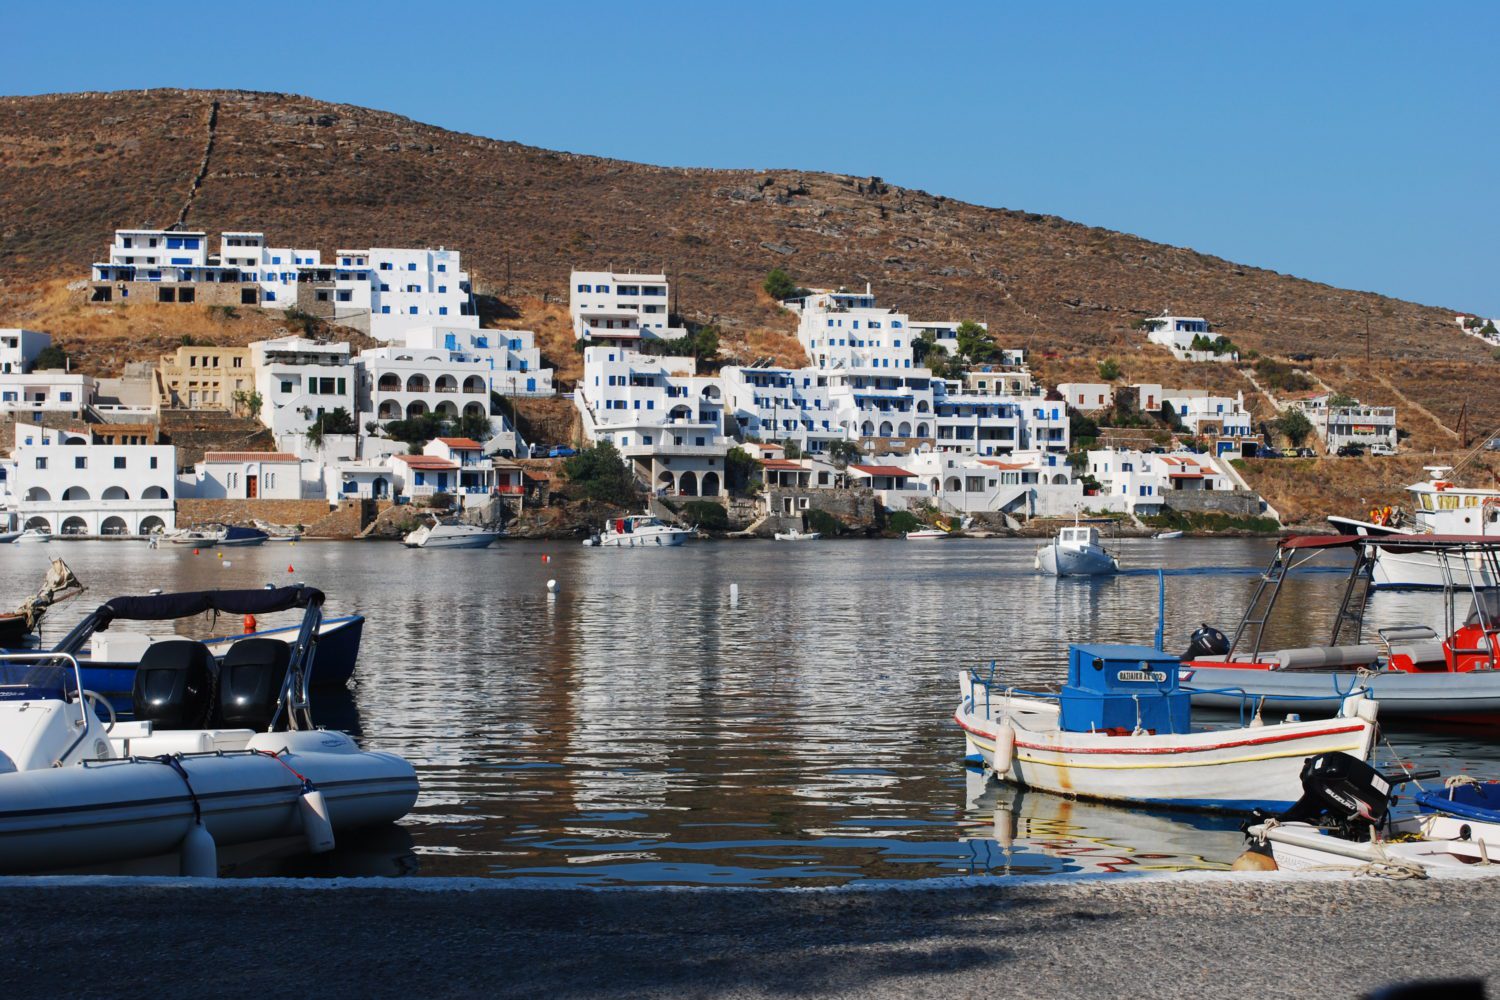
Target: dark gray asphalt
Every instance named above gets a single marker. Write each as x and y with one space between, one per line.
1132 939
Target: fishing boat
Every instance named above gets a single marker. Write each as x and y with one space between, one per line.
219 756
440 535
639 530
108 664
1121 730
1343 821
1414 670
1076 551
57 586
798 535
1438 507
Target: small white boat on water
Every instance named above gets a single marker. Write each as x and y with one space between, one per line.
798 535
1121 730
639 530
218 756
198 538
927 535
1164 535
1076 552
33 536
438 535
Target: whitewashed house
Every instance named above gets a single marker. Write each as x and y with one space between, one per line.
52 392
512 358
417 476
1141 482
666 420
1364 426
275 271
1087 397
477 477
410 288
1180 334
620 308
244 475
19 349
298 379
399 383
63 483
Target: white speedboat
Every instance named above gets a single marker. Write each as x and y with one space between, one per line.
798 535
1439 507
1076 552
1164 535
33 535
639 530
450 536
926 535
217 756
1121 730
198 538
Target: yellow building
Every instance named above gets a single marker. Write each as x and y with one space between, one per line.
204 378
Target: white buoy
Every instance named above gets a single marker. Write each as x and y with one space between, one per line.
316 826
551 586
1005 748
227 564
734 595
199 855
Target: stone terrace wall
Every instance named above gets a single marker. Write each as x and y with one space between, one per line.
1235 503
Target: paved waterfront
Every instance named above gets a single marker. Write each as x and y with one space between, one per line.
1208 936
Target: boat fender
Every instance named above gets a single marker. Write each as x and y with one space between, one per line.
1005 748
316 825
199 855
1257 858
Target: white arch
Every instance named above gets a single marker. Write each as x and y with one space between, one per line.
75 493
154 493
116 493
37 493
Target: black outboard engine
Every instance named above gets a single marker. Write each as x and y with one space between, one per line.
1206 641
1341 792
174 684
250 681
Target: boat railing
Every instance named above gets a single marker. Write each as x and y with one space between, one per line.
990 684
83 695
296 697
1246 698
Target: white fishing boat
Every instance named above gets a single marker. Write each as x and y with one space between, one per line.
438 535
1121 730
1076 552
1343 822
217 756
927 535
1438 507
798 535
639 530
33 536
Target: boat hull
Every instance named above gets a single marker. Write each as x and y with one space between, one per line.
119 810
1088 561
1231 770
1424 571
638 540
797 537
481 540
1467 697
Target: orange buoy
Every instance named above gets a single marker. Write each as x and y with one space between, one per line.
290 570
195 552
249 624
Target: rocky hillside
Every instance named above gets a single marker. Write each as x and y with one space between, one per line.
73 167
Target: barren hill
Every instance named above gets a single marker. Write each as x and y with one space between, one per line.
73 167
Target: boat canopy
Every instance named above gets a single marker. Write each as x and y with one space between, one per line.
160 607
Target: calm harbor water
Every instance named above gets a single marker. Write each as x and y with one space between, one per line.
638 729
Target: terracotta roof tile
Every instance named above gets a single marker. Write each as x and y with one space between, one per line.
249 456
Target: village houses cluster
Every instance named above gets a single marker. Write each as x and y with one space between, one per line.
88 457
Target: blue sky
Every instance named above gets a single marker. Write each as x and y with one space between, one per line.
1353 143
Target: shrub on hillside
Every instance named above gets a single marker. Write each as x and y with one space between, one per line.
600 473
824 523
705 514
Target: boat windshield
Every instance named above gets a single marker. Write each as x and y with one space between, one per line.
1485 610
37 681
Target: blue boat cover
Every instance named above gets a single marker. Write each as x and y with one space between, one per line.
1477 802
160 607
235 533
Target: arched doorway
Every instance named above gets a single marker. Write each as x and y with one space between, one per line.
154 493
473 410
389 382
380 488
664 481
415 408
688 485
447 409
75 493
446 383
116 493
904 430
114 525
417 383
473 385
75 525
921 430
152 525
38 522
955 485
37 493
885 428
389 410
710 484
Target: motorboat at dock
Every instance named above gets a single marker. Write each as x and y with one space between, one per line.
638 531
443 535
1121 730
1413 671
220 754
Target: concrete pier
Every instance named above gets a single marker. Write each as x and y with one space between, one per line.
1209 936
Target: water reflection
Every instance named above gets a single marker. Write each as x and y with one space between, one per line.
636 728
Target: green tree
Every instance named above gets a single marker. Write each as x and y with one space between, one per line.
779 285
975 343
1109 369
335 421
473 425
1294 426
601 473
841 453
925 346
248 400
51 356
1340 399
791 448
705 515
415 431
824 523
741 471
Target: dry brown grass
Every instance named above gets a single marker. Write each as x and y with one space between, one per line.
1307 490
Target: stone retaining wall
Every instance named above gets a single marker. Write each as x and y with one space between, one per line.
1235 503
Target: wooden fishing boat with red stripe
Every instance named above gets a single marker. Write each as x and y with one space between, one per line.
1121 730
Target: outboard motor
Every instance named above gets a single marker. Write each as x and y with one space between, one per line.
1346 795
174 684
250 680
1206 641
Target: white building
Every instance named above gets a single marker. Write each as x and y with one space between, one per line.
1338 426
298 379
157 255
1223 420
19 349
56 392
1087 397
62 483
666 421
476 482
511 356
1179 334
620 308
244 475
276 270
410 288
1141 482
1024 484
400 383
